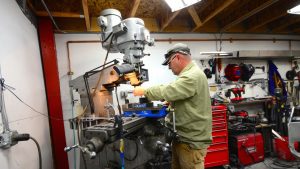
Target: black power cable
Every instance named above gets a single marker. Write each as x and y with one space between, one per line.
39 151
119 107
25 137
136 152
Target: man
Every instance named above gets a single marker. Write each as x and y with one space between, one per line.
189 96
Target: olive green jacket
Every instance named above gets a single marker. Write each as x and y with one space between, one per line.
189 96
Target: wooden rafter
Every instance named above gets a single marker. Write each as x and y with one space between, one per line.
271 14
195 16
215 12
285 23
60 14
86 14
244 14
169 19
297 30
134 8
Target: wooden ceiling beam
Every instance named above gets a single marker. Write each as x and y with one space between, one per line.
59 14
244 14
54 14
297 30
271 14
215 12
169 18
285 23
86 14
218 10
195 16
134 8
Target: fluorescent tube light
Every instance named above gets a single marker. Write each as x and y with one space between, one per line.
295 10
217 53
176 5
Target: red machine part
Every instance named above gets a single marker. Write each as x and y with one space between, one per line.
237 93
249 148
217 152
241 113
281 148
233 72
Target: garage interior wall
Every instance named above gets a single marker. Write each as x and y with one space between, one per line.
21 68
86 56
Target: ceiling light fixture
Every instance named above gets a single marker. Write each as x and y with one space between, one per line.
217 53
295 10
176 5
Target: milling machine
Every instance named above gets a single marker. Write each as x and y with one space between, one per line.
102 123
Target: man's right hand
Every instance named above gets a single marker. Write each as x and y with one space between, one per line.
138 91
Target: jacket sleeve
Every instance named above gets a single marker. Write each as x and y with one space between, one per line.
182 88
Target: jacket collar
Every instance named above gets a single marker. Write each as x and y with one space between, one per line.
187 67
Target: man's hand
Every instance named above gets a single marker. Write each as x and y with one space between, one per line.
138 91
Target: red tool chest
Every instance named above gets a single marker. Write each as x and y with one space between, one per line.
217 152
249 148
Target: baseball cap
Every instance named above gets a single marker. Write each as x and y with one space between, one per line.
177 48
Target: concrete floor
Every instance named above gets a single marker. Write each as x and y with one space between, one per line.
270 163
275 163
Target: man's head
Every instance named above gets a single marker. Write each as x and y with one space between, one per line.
177 57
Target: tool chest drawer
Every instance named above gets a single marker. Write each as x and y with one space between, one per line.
217 152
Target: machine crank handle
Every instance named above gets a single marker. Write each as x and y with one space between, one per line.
67 149
85 150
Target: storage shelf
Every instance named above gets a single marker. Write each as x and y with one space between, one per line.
250 102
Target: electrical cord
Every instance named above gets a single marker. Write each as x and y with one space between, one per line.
79 142
74 134
105 60
136 152
119 107
39 151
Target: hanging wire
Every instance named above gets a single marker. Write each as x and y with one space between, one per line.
51 17
50 117
119 107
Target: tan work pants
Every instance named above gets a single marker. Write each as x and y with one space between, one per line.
184 157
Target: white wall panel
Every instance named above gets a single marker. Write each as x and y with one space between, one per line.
21 68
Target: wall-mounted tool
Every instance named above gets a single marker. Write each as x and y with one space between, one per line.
233 72
263 68
237 93
247 70
8 137
291 74
208 73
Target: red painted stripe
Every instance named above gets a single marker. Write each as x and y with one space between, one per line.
51 78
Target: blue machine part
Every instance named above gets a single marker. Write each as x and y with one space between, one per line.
147 113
